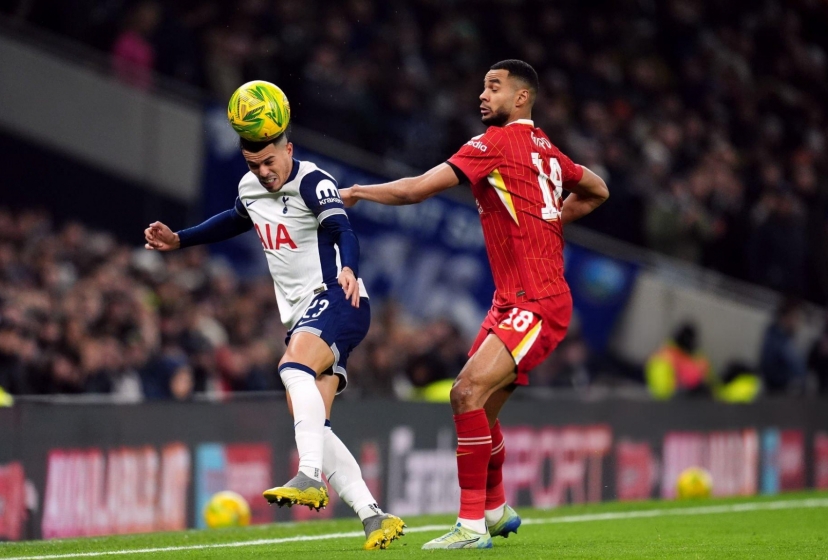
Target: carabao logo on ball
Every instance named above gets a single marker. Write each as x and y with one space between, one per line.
258 111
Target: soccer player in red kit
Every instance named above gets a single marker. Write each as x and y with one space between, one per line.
517 176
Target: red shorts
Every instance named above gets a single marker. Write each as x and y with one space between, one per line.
531 330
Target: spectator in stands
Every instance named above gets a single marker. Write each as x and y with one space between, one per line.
679 367
677 223
238 369
12 369
778 242
781 364
133 54
168 377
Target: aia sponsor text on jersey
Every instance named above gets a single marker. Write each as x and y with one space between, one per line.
274 238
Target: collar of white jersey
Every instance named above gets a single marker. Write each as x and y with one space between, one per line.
294 171
530 122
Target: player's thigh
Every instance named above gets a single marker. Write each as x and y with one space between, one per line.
491 368
309 350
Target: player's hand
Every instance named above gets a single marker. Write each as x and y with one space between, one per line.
349 283
161 238
347 195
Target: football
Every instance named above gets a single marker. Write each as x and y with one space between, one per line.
226 509
694 482
258 111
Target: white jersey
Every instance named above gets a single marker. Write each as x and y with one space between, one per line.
302 257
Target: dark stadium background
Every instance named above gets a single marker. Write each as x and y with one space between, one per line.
706 119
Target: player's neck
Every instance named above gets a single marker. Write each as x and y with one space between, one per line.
518 117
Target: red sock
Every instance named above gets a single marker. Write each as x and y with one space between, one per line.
474 448
495 496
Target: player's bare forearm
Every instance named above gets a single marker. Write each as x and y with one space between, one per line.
410 190
395 193
590 193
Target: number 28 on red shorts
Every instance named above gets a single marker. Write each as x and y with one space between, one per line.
529 330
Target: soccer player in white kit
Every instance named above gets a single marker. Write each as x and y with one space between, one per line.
313 255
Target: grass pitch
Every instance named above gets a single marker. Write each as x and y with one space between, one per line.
789 526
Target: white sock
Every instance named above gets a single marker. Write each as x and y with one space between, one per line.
494 515
345 477
308 419
476 525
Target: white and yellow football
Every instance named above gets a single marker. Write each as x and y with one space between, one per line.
258 111
226 509
694 482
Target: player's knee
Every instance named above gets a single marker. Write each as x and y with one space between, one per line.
292 374
463 396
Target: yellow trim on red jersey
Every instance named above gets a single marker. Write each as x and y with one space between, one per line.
526 344
496 180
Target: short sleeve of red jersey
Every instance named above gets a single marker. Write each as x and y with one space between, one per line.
479 156
570 172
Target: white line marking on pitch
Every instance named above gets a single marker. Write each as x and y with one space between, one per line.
611 516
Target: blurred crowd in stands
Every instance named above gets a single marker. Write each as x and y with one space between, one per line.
707 119
82 314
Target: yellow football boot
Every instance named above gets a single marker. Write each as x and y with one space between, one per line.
380 530
301 490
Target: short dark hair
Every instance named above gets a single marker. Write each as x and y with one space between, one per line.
521 70
256 147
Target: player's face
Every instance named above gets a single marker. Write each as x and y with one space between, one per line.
272 165
498 98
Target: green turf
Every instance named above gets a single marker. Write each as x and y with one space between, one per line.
797 532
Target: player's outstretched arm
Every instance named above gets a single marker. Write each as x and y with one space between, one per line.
410 190
220 227
586 195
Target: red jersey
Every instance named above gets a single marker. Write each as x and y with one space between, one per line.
517 176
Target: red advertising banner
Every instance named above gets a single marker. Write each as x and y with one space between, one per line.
635 470
821 460
732 457
572 456
126 490
791 460
249 471
12 501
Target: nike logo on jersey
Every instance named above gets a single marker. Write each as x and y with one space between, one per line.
249 202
